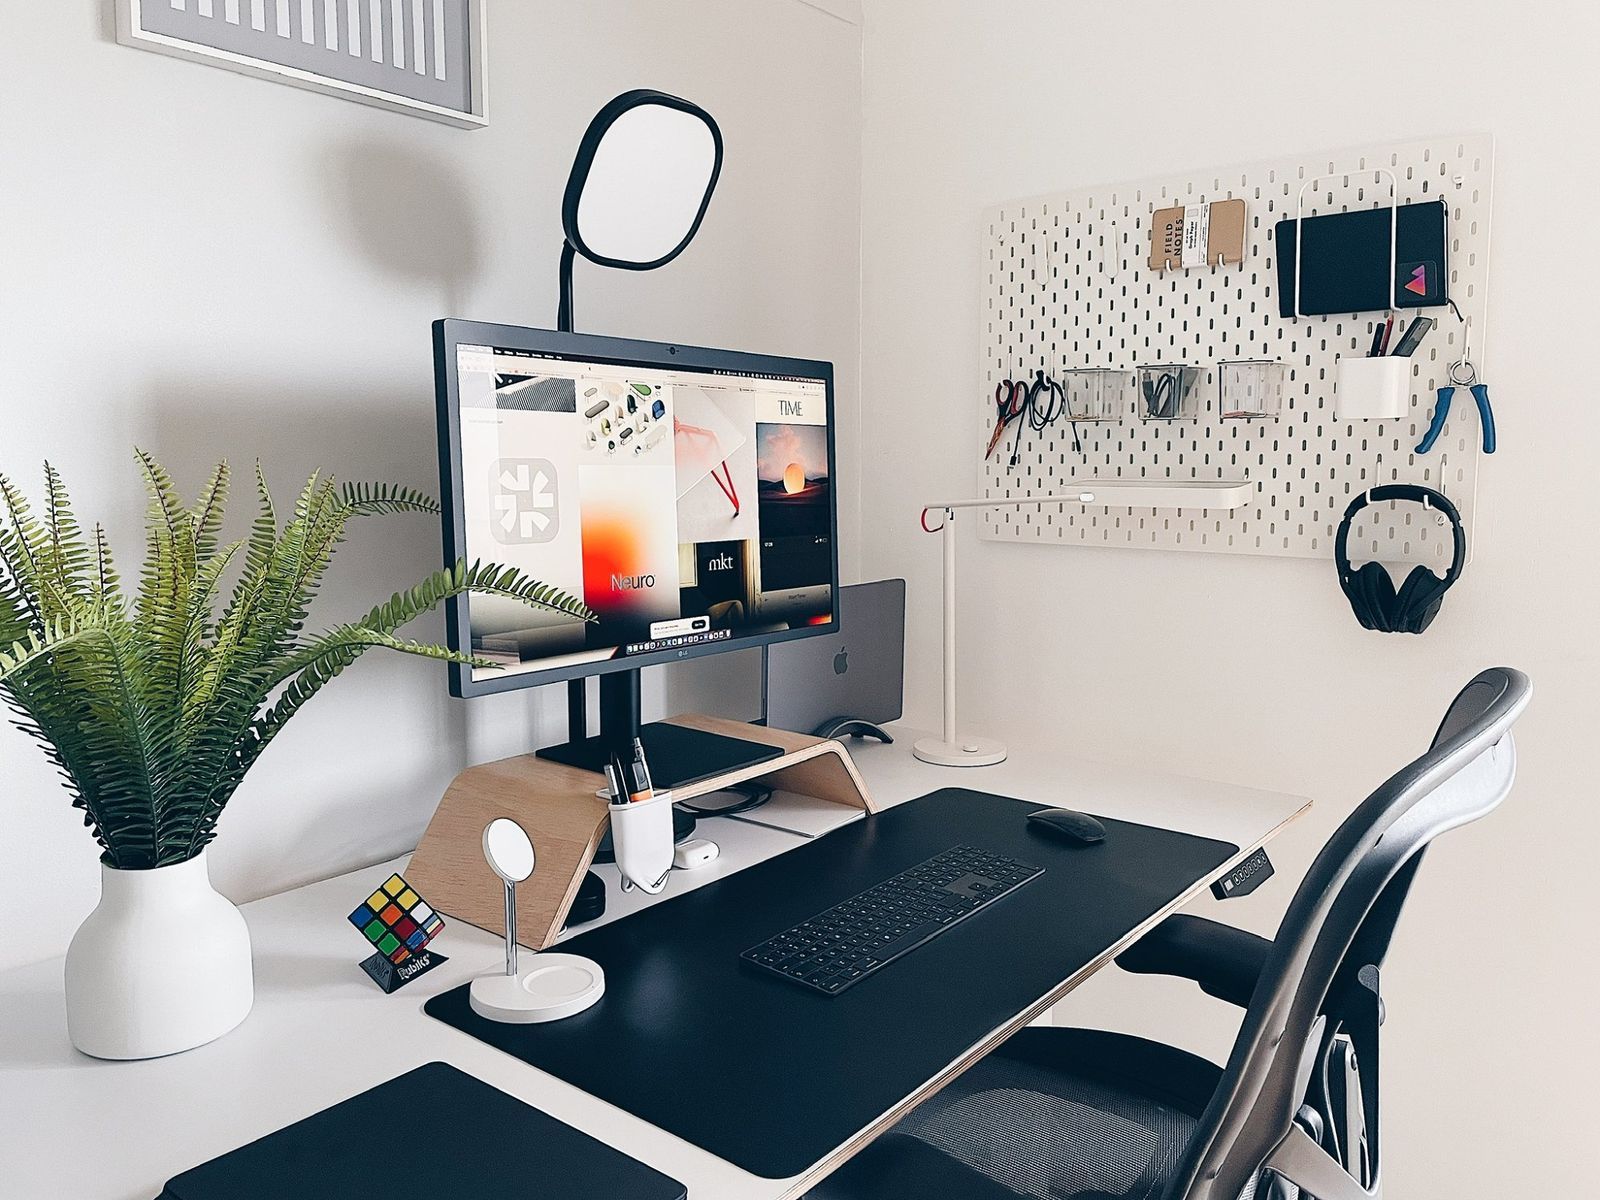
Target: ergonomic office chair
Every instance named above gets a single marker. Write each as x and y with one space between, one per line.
1089 1115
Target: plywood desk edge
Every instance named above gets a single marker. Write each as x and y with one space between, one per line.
563 813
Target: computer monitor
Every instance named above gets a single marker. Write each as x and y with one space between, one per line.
686 495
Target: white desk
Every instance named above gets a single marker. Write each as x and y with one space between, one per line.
320 1031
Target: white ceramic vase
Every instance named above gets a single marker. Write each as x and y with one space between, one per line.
161 965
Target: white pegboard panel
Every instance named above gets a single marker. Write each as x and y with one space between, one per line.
1067 283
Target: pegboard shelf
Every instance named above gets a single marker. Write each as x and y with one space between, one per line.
1067 286
1131 493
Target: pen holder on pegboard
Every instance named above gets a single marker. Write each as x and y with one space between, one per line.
641 834
1372 389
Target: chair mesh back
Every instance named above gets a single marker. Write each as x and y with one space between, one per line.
1053 1137
1339 922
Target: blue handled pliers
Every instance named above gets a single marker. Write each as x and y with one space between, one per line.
1462 375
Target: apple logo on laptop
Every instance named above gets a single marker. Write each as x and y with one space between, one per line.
841 662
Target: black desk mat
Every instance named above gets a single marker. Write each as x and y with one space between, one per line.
773 1077
444 1133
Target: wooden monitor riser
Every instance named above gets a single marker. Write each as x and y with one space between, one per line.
566 818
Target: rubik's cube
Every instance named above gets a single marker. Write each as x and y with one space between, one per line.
396 920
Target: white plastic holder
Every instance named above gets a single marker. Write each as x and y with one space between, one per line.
1372 389
641 835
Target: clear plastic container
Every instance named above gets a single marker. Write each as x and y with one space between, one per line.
1098 393
1169 392
1251 389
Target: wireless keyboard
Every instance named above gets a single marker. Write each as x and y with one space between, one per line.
860 936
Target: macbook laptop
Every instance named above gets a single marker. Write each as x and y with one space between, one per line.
856 673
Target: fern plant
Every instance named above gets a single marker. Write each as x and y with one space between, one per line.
154 706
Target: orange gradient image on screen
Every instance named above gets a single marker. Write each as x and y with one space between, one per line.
610 553
630 549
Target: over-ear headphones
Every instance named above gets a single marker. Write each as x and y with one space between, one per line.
1372 594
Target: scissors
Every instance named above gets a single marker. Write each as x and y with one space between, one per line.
1462 375
1010 396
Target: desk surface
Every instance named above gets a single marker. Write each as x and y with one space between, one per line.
321 1032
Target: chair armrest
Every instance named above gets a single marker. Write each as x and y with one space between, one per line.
1224 961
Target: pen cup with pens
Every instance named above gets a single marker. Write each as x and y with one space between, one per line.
641 823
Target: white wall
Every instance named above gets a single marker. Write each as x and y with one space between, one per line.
206 265
1264 677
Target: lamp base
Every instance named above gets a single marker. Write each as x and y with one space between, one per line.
963 752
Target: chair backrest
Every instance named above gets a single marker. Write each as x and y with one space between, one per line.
1337 931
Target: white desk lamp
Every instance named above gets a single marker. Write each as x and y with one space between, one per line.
958 750
952 749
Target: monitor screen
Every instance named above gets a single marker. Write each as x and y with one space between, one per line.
686 495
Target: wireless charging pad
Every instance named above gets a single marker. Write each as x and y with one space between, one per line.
555 986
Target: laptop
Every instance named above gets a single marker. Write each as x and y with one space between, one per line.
856 673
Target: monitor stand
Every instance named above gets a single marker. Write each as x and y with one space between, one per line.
677 754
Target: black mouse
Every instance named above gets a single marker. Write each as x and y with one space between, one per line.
1075 826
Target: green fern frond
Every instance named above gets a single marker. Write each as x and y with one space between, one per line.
154 709
367 498
105 585
488 578
336 642
68 558
16 620
165 503
209 510
35 647
264 530
24 548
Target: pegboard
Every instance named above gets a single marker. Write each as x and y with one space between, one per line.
1067 283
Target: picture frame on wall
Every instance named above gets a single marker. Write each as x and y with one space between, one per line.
424 57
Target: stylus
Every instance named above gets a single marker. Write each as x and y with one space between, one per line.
1377 341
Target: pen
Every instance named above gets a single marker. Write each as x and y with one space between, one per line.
1377 340
619 791
642 788
1388 328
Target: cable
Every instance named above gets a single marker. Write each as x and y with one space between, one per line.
753 796
1039 418
1160 397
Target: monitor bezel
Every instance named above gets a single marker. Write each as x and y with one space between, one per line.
451 332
